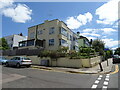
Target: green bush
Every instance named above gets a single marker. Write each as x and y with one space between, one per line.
44 54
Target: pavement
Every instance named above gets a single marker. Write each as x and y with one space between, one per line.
93 70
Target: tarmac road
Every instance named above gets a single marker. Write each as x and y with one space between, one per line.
35 78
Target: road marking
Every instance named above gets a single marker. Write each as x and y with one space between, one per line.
107 79
107 76
94 86
104 87
99 78
96 81
105 83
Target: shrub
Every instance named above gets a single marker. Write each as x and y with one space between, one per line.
44 54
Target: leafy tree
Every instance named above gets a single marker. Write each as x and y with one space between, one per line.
117 51
3 44
99 46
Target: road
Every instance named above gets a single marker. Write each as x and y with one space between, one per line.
35 78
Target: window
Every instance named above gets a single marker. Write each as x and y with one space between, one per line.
32 35
12 39
74 38
11 45
30 43
63 42
51 42
71 37
86 42
51 30
76 48
17 58
40 32
64 32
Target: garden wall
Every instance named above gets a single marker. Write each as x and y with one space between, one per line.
64 62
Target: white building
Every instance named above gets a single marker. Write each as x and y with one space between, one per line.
13 40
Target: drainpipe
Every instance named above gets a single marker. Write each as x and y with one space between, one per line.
35 35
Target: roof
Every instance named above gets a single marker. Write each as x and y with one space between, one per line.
82 37
43 23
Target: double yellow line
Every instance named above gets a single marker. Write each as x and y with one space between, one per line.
116 69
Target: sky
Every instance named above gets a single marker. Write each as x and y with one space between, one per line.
92 19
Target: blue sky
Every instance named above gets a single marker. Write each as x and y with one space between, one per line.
91 19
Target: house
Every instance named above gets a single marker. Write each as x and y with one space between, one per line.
53 35
83 42
13 40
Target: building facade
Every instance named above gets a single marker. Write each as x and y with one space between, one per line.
83 42
13 40
55 34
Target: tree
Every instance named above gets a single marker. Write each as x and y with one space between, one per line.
99 46
3 44
117 51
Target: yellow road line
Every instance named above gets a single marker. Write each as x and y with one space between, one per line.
116 69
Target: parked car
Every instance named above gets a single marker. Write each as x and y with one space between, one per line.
116 59
3 60
19 61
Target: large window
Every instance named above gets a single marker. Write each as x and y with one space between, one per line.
30 43
22 44
51 30
51 42
71 37
64 32
86 42
63 42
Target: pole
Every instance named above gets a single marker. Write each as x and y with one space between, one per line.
101 69
107 63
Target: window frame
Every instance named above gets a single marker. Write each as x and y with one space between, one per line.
51 43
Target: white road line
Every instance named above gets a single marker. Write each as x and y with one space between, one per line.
104 87
96 81
107 76
94 86
105 83
99 78
107 79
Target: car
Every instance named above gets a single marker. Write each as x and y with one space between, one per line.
3 60
116 59
19 61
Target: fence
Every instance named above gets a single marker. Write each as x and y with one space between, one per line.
21 52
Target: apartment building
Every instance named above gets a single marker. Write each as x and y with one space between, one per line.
55 35
83 42
13 40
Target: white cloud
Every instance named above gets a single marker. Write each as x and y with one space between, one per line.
19 13
108 30
5 3
92 30
95 31
108 12
76 21
90 34
73 23
91 38
110 42
83 19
